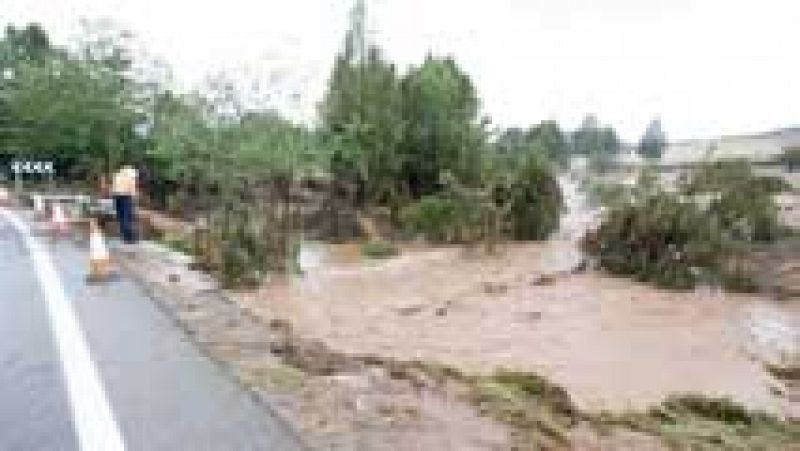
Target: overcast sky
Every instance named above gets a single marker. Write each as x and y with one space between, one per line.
704 66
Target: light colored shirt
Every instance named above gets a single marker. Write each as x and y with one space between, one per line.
124 182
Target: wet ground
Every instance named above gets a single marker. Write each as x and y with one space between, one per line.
72 351
611 342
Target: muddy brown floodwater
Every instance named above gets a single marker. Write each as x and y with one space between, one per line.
612 343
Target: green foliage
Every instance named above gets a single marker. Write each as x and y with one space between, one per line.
600 144
740 200
241 241
378 249
674 240
418 139
521 203
694 421
535 202
552 141
394 136
442 133
438 217
653 141
791 158
539 411
78 108
536 386
545 140
787 372
361 111
659 239
361 116
711 408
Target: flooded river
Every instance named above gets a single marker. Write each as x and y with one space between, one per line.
611 342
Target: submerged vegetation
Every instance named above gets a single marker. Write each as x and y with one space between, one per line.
692 421
701 233
542 415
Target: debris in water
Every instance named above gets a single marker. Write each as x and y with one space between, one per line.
544 279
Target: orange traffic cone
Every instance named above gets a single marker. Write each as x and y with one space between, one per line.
59 219
99 260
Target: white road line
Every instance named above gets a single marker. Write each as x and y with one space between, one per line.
92 416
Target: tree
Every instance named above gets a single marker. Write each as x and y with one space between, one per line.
29 45
653 141
586 139
791 158
548 136
513 143
361 112
599 143
544 139
443 132
79 109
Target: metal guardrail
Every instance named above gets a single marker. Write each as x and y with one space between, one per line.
79 204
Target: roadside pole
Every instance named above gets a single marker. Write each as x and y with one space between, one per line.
17 178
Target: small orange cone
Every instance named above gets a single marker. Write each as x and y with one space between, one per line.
59 219
99 260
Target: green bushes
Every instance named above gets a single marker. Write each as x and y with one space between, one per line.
436 217
675 241
695 421
240 242
659 239
535 202
522 205
378 249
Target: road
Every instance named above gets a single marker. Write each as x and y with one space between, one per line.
99 367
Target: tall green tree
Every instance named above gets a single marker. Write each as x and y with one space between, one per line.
545 139
443 131
598 143
551 140
361 113
19 46
79 109
653 141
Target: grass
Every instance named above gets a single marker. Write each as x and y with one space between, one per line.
541 415
694 421
378 249
276 376
174 243
539 412
789 372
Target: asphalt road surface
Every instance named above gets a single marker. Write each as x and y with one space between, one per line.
99 367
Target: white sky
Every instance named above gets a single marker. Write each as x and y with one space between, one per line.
706 67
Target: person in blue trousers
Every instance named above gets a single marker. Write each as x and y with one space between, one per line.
124 194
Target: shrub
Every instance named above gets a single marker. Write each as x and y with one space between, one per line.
674 241
521 204
240 241
535 202
378 249
711 408
659 239
749 213
742 201
436 217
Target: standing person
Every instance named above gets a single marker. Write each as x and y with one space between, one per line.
124 191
